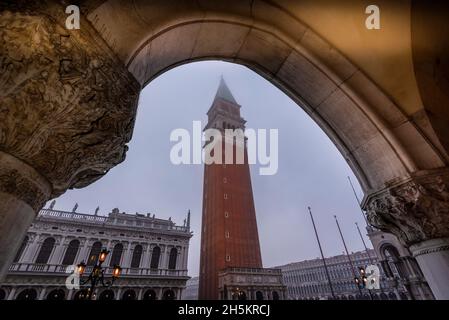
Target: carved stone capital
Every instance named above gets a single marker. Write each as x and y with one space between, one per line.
23 182
67 104
415 210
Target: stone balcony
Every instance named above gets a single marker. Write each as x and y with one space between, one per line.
136 222
58 269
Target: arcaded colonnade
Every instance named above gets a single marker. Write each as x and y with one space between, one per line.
68 97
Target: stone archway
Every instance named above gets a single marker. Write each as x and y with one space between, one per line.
69 101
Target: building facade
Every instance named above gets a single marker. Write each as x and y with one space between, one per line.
307 279
400 267
251 284
191 290
152 253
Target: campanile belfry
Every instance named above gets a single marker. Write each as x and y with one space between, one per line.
229 236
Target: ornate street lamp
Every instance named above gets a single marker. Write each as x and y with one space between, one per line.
96 276
362 281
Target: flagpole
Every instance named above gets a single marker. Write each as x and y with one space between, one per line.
347 252
322 255
364 244
368 226
358 201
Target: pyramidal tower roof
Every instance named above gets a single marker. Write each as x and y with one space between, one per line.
223 92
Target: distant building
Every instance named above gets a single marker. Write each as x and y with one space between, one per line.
307 279
191 290
251 284
152 253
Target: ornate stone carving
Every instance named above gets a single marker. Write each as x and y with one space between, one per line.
19 179
415 211
67 104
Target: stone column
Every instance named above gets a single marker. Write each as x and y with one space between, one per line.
179 259
70 294
12 293
59 251
433 258
159 293
144 262
126 258
110 247
23 191
416 210
84 251
186 258
140 294
118 294
42 294
32 248
68 106
163 257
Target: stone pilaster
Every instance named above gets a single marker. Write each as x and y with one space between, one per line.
416 210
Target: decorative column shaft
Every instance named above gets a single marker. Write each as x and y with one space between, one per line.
416 210
433 258
22 192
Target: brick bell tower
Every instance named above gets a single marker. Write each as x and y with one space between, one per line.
229 236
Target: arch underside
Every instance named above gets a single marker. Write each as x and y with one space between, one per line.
378 141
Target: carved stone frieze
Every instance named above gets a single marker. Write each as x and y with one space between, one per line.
67 104
415 210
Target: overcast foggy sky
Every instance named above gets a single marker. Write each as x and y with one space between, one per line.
311 170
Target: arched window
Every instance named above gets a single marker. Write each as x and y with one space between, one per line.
393 264
275 295
392 296
2 294
46 249
403 296
129 295
80 295
259 295
106 295
137 255
242 295
150 295
27 294
22 247
172 261
169 295
155 258
70 254
116 254
94 253
57 294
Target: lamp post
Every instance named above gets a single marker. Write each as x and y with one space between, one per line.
96 276
362 281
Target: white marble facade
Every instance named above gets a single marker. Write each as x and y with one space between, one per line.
152 253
